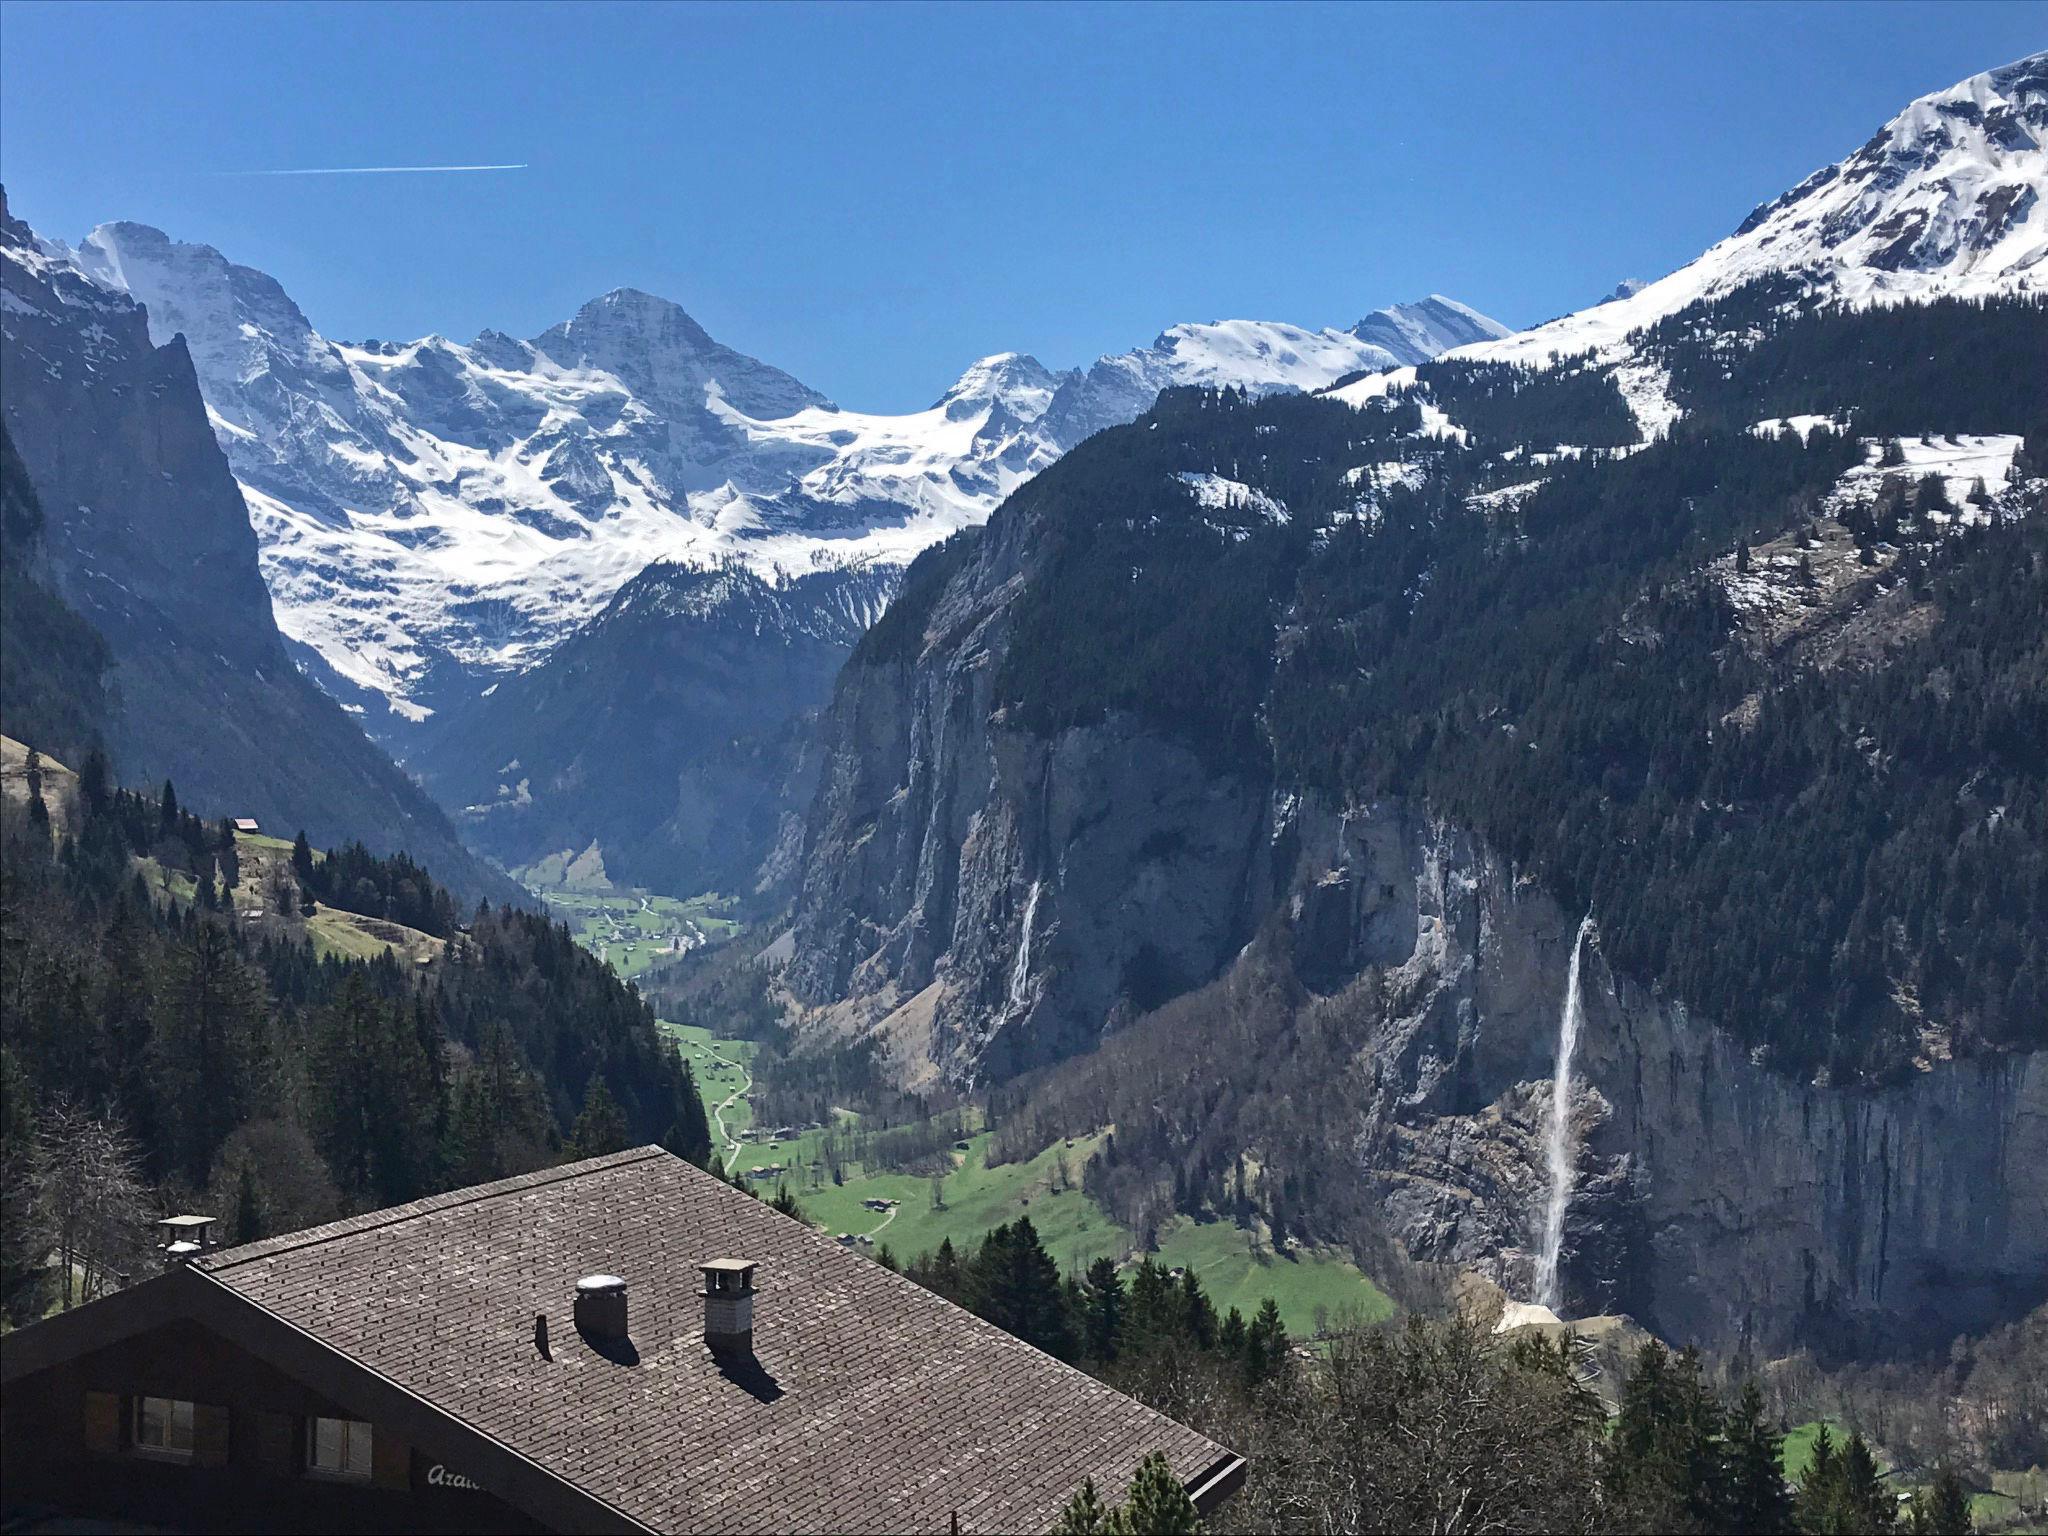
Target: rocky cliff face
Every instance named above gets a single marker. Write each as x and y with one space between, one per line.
992 902
988 901
1717 1200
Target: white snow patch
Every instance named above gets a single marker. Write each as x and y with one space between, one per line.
1219 494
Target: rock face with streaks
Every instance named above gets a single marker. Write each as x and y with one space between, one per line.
990 901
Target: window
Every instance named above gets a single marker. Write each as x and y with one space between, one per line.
163 1427
338 1447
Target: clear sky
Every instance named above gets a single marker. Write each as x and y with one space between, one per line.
873 196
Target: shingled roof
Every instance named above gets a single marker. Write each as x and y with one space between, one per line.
870 1404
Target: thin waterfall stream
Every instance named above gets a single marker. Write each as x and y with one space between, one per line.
1020 974
1560 1151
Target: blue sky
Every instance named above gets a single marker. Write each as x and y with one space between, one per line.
872 196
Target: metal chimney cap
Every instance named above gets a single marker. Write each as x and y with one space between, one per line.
594 1285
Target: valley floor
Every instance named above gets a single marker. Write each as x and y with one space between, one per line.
913 1213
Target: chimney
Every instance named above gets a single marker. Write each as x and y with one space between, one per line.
185 1238
729 1305
601 1307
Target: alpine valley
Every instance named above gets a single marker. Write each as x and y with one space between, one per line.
1560 816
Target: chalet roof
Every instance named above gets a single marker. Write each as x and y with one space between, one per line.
869 1404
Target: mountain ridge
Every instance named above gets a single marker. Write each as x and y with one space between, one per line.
433 514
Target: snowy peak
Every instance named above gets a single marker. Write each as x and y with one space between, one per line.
654 346
1258 355
1414 333
836 606
430 512
1015 381
1945 200
1948 187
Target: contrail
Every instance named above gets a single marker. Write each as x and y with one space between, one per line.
374 170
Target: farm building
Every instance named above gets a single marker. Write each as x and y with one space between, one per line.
622 1344
246 824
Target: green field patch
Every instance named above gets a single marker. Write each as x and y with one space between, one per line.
167 884
352 936
1313 1287
975 1198
265 840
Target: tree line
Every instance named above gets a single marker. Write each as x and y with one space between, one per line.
208 1061
1433 1423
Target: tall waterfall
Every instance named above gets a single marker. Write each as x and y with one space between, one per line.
1020 973
1563 1162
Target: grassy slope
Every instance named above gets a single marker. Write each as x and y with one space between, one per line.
347 935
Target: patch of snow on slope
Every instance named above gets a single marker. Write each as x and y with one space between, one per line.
1221 495
1961 460
1436 422
1646 390
1771 426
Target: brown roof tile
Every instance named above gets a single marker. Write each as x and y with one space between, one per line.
876 1406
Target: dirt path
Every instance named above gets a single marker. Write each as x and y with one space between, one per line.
884 1221
732 1142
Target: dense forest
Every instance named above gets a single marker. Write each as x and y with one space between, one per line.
1822 857
165 1053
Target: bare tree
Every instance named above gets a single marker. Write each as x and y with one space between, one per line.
87 1200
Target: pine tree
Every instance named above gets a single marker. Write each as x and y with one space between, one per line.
601 1127
689 1133
1102 1311
1869 1504
1646 1456
1757 1498
1158 1504
95 782
210 1010
302 858
1944 1508
248 1225
1016 1286
1266 1344
1703 1472
1085 1514
167 811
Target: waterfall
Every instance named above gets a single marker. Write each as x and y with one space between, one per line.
1563 1162
1020 974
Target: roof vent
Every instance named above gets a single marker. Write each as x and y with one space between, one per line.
601 1307
729 1305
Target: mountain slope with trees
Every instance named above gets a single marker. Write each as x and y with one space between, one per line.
194 1035
146 539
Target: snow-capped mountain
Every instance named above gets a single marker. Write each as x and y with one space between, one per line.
147 539
431 513
1946 199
